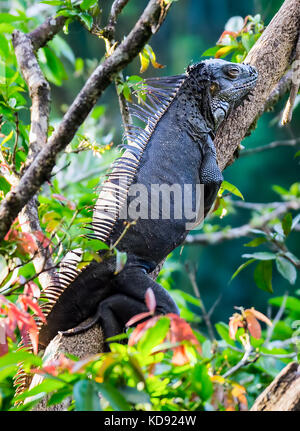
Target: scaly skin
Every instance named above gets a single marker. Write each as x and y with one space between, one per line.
179 150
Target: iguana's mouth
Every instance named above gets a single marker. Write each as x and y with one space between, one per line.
249 84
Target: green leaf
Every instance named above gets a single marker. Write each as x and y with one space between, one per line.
7 17
286 223
6 28
291 303
145 60
133 395
286 269
62 48
4 185
241 267
134 79
223 331
263 275
98 111
187 297
113 396
281 331
127 92
47 385
210 52
232 189
4 46
260 255
256 242
52 66
86 396
59 396
86 19
223 51
87 4
54 2
201 382
154 336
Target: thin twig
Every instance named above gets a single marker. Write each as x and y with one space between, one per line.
244 230
242 363
276 319
205 315
109 35
271 146
13 162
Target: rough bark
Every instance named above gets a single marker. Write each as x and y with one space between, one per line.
77 345
283 394
39 91
271 55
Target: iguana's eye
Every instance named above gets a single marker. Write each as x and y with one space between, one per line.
233 72
214 88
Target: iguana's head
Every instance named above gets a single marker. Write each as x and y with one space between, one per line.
227 85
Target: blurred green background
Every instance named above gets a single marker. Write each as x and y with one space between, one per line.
191 27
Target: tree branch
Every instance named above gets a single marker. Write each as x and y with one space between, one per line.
288 110
271 55
244 230
41 168
39 91
271 146
46 31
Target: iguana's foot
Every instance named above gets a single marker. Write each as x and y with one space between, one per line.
130 286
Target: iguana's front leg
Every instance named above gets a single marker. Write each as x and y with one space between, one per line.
210 174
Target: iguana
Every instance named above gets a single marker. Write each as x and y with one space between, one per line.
182 114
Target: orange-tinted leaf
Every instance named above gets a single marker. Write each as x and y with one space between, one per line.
259 316
26 243
222 52
227 33
41 237
253 325
138 317
28 302
180 356
152 56
239 392
235 322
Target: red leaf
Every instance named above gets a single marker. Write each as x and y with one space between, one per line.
28 302
259 315
180 330
139 331
235 322
26 243
41 237
32 290
138 317
180 356
253 325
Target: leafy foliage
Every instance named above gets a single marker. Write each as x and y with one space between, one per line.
169 363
